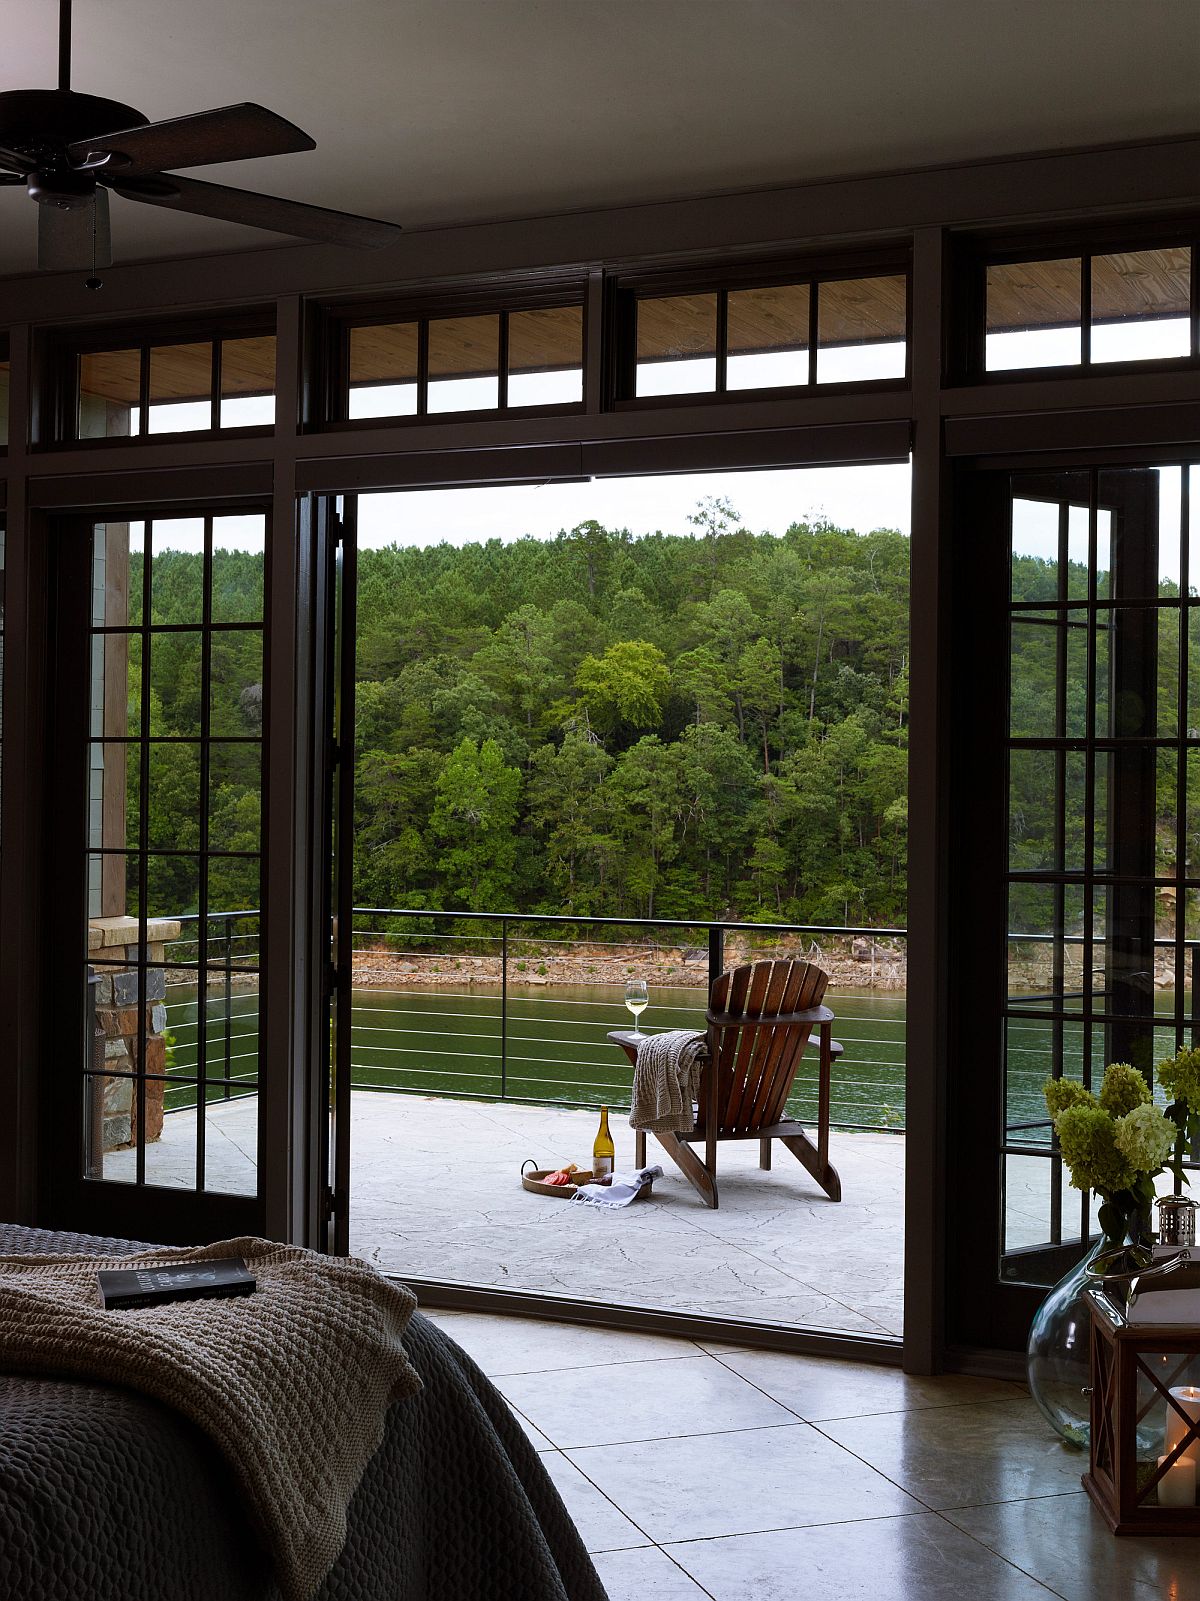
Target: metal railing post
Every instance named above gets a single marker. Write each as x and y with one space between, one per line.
503 1008
716 953
228 1006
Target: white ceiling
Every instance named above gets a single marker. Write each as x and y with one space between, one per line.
431 112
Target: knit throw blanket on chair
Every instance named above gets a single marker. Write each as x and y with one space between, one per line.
666 1081
291 1383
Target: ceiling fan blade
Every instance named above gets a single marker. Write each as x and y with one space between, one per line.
232 133
15 162
74 240
12 177
256 211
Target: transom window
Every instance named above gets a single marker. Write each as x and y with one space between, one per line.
1079 310
135 389
482 361
837 330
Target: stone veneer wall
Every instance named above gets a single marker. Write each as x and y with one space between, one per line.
114 940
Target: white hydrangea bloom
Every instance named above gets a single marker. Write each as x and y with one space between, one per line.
1145 1138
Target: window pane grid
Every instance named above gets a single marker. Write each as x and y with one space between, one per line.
1090 310
198 386
1080 988
489 361
175 971
824 331
1105 921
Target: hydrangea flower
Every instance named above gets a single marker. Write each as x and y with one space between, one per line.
1063 1092
1087 1136
1179 1075
1145 1138
1123 1089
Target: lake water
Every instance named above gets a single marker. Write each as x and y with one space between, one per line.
449 1042
442 1041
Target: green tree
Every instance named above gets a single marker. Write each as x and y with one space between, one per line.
626 687
474 818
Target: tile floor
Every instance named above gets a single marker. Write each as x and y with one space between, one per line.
742 1475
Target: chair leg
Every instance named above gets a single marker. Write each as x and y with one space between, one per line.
807 1154
764 1155
692 1168
639 1147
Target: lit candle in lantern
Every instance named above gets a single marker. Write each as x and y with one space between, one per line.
1186 1396
1177 1487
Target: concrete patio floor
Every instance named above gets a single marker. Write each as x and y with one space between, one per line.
435 1195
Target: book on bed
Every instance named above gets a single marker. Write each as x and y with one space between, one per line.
122 1288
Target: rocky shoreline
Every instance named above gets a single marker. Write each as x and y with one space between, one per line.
851 964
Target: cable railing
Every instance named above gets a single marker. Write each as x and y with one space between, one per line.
1048 1023
230 987
517 1006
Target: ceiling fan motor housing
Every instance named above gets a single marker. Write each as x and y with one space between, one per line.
45 121
41 123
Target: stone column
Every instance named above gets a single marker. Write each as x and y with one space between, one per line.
114 941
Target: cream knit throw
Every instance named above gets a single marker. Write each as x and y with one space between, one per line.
666 1081
291 1383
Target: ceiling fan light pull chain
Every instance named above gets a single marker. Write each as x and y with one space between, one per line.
94 282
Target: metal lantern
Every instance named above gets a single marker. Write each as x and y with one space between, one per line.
1144 1473
1176 1220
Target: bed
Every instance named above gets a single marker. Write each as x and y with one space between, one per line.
108 1496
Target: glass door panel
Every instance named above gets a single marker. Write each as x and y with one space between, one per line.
169 648
1102 754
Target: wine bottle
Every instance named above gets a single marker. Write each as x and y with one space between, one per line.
604 1153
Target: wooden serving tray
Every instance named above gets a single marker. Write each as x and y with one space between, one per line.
535 1183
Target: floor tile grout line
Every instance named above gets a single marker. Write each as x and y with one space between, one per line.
588 1367
630 1520
667 1439
1017 1500
935 1406
923 1510
800 1528
887 1476
1016 1566
691 1578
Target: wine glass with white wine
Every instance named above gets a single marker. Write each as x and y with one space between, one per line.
637 998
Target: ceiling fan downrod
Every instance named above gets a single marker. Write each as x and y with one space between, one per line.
64 44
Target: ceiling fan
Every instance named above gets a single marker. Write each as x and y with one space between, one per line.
69 149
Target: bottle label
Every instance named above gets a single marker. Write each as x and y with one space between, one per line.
602 1166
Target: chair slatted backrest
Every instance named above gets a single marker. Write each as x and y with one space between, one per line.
754 1067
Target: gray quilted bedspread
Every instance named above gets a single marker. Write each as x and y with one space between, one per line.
108 1496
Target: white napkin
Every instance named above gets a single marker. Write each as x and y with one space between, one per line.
623 1189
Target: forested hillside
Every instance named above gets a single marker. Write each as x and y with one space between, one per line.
672 725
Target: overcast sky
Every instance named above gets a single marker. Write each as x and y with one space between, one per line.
853 497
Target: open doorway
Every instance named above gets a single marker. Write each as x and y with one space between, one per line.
600 726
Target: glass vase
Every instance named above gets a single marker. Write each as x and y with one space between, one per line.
1057 1359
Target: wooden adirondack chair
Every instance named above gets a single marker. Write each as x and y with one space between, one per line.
760 1018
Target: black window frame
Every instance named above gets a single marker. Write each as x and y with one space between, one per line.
631 288
62 350
976 253
332 388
